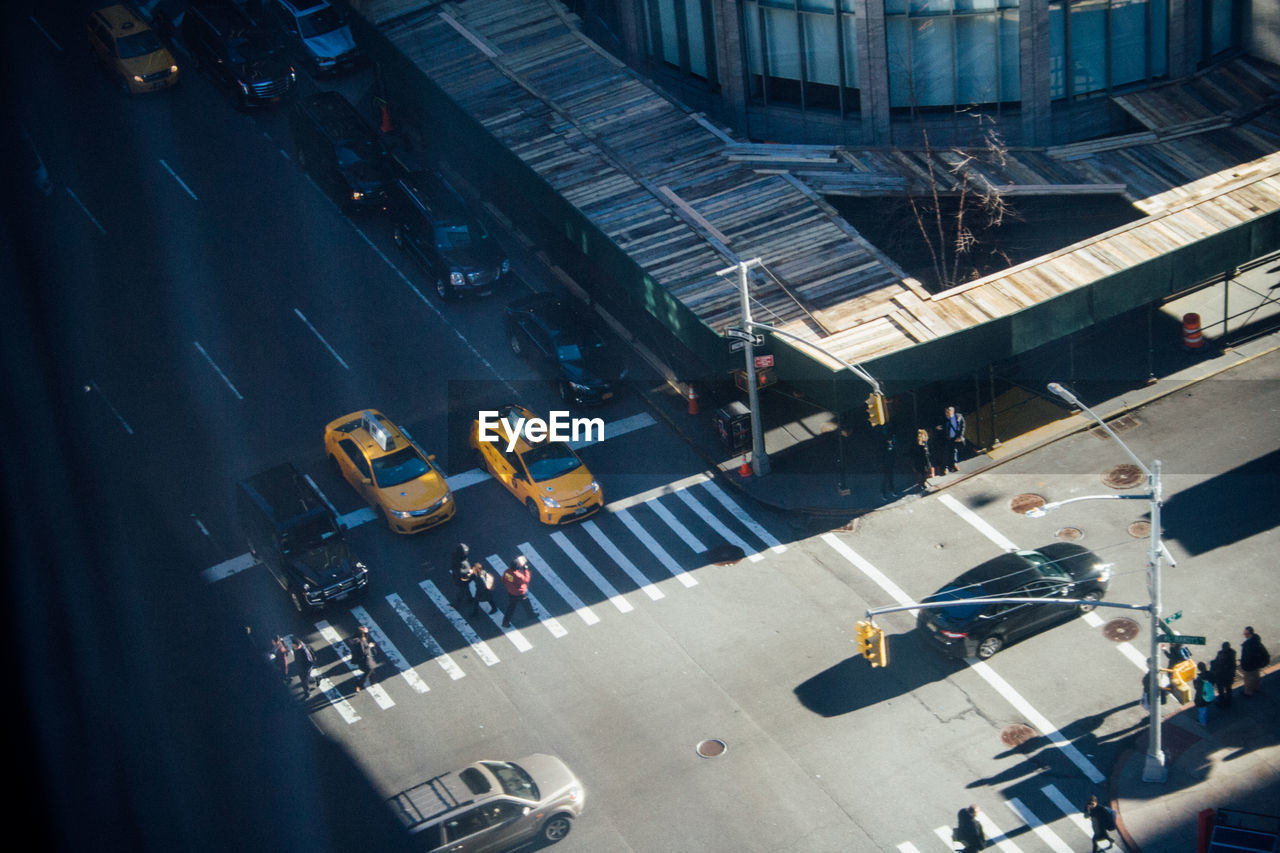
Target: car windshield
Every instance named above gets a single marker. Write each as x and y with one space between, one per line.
318 23
577 347
400 467
358 152
550 460
515 782
138 44
457 235
307 534
252 48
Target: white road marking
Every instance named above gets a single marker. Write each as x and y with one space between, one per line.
200 524
181 182
978 524
548 621
1074 814
995 835
988 674
45 33
944 832
218 370
92 218
907 847
613 429
94 386
467 478
578 605
676 525
424 636
389 650
227 568
586 567
747 521
623 563
330 635
1131 652
657 550
331 350
658 491
337 700
715 524
1047 835
357 517
459 624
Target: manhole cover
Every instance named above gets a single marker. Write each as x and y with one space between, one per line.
1069 534
1124 476
1017 734
1026 501
1121 630
1140 529
725 555
711 747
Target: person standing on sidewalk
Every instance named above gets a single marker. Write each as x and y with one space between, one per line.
516 580
1253 658
304 661
1102 819
922 459
1203 689
969 831
1223 671
952 433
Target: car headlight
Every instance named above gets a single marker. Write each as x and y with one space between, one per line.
399 513
457 279
137 78
356 195
173 69
578 386
550 502
293 76
361 567
244 88
1104 571
595 487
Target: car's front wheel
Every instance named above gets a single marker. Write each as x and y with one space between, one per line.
989 647
556 828
516 346
1092 598
299 603
533 509
443 289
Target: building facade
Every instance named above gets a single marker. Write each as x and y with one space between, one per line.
886 72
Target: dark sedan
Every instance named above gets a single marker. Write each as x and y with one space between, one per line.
1059 571
550 330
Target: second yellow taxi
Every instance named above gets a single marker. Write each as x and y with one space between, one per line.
390 471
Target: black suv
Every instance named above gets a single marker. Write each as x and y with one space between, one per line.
317 33
340 150
432 224
294 533
553 332
1062 570
243 59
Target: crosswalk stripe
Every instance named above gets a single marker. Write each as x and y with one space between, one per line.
1047 835
579 560
907 847
657 550
741 515
459 624
977 522
716 525
675 524
548 621
331 637
424 636
623 563
330 691
578 605
389 650
944 832
1068 808
995 835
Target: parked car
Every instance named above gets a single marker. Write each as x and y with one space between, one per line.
390 471
433 225
316 32
293 532
492 805
340 150
555 333
130 51
1062 570
243 59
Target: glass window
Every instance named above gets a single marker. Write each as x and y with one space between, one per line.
821 60
933 62
666 37
1010 56
782 44
697 39
1088 46
1159 38
1221 23
977 54
849 32
1128 41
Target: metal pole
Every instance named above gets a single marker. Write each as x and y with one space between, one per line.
759 459
1154 770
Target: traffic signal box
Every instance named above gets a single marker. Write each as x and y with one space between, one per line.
875 410
1181 678
872 644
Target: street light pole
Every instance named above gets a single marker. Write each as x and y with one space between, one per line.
759 459
1154 770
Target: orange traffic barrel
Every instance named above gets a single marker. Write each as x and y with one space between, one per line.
1191 337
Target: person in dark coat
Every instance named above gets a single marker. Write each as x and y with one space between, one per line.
951 431
304 661
460 572
969 831
1223 673
1202 688
1102 819
483 594
1253 659
363 650
922 459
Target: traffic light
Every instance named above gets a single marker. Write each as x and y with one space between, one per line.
1181 677
876 410
872 644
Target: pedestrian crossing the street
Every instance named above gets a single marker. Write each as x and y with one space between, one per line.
1053 825
637 552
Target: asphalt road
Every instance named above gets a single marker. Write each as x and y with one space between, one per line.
216 310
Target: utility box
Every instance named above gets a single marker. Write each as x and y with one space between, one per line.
733 425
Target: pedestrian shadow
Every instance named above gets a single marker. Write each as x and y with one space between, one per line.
853 683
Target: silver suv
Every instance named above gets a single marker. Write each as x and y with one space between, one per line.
492 805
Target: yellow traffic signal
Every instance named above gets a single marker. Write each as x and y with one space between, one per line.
872 644
876 410
1181 677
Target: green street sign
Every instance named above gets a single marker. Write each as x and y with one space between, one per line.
1185 639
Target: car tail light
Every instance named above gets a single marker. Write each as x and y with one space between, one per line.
954 635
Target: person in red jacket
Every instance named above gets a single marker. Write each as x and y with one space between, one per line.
516 580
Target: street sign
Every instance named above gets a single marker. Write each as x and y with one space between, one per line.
1185 639
737 346
739 335
763 361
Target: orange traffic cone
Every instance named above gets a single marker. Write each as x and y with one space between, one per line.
744 470
385 123
693 400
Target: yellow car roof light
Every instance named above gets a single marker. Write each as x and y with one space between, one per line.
375 429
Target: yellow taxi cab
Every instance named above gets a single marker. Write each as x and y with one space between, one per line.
390 471
547 476
130 50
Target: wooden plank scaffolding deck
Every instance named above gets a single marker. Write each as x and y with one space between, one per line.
684 199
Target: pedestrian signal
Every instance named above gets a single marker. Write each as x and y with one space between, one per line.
876 410
872 644
1181 677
